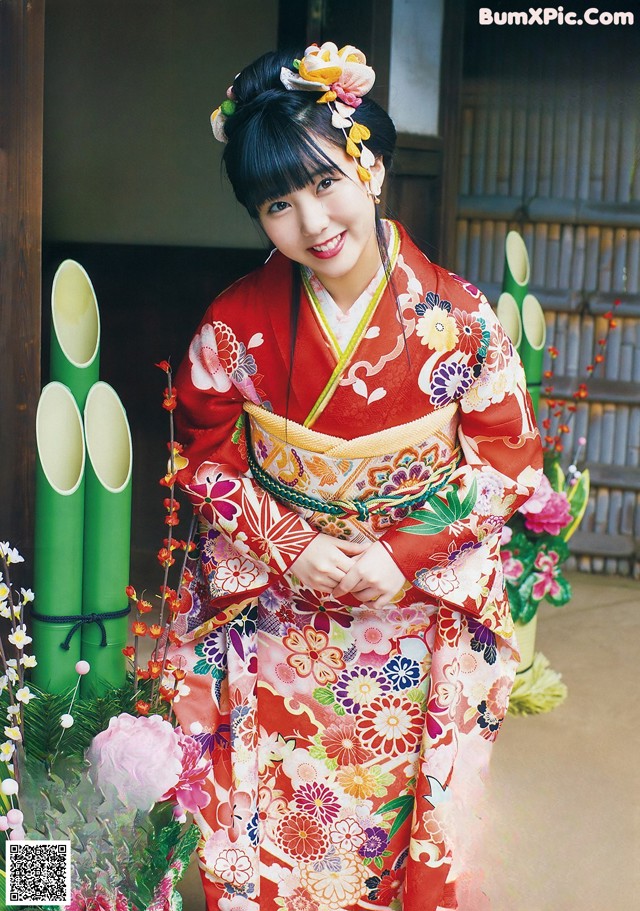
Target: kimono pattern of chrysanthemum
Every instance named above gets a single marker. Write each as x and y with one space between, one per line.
349 744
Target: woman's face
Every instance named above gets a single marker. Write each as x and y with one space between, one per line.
329 225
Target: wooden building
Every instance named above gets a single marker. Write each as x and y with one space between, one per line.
106 157
550 146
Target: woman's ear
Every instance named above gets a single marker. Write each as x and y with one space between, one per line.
377 178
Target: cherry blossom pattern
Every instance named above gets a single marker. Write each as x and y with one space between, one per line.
237 574
233 866
312 655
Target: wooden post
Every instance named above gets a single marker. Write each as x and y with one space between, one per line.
21 94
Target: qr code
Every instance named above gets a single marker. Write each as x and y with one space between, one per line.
38 873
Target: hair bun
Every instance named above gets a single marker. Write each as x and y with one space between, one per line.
263 75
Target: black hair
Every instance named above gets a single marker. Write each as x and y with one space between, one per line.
271 150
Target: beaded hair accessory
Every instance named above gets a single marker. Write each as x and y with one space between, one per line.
343 77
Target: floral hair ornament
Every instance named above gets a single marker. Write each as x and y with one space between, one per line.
219 116
344 78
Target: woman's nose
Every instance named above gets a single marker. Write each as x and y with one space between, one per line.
313 218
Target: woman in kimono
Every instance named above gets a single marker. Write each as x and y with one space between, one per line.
356 431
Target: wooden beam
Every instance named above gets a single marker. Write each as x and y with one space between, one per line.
21 100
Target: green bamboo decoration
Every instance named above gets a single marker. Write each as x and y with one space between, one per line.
516 268
534 334
75 330
59 519
107 539
508 313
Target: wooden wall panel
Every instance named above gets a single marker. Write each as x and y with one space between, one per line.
551 150
21 76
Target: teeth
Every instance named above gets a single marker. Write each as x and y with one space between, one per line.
324 248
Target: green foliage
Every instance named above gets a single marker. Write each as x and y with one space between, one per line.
436 514
43 734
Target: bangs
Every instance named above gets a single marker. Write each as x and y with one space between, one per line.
277 157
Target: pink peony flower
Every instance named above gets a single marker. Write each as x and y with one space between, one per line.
547 510
189 790
138 758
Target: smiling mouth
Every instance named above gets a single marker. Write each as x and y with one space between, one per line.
330 247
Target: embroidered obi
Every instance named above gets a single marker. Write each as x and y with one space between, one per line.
352 488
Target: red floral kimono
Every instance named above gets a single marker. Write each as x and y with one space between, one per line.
349 744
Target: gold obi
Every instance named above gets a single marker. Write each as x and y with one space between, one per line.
364 485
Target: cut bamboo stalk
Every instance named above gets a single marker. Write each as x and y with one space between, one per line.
531 350
107 536
59 520
508 314
517 270
75 330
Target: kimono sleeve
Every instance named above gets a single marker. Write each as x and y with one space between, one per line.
213 469
500 468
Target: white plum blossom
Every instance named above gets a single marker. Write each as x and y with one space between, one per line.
13 733
10 554
19 638
28 661
25 695
27 595
7 749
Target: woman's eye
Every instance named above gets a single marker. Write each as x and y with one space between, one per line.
278 206
326 182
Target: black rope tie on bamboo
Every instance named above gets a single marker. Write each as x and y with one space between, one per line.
79 621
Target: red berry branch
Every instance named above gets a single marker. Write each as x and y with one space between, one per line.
560 410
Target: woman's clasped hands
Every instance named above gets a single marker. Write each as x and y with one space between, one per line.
367 571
